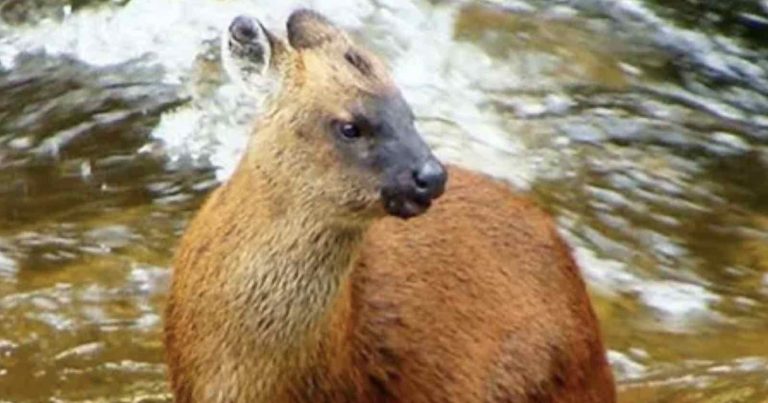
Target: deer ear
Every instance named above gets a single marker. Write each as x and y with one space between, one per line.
247 41
309 29
251 54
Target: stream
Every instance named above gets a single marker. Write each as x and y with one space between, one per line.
642 125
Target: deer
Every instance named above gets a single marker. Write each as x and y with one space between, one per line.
343 262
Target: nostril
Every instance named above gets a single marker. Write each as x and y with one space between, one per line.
419 180
243 29
430 178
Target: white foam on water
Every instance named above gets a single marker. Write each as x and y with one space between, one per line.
607 276
676 305
446 81
171 31
443 79
212 132
625 367
172 34
677 299
8 266
417 40
7 54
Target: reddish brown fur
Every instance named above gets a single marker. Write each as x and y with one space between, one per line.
478 300
282 295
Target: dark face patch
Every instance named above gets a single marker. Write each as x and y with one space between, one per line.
387 144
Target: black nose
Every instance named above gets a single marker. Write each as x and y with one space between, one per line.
243 29
430 179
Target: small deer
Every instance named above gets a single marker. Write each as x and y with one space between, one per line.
342 262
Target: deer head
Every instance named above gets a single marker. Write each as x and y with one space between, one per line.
338 124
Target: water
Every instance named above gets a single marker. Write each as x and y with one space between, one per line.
642 125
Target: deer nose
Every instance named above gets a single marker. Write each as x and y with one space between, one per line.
243 29
430 178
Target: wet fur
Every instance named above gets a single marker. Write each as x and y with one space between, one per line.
285 290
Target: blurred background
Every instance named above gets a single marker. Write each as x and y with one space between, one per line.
641 124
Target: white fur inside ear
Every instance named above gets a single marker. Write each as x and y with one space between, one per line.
246 56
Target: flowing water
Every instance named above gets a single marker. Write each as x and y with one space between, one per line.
641 124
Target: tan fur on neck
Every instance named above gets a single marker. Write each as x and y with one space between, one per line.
279 266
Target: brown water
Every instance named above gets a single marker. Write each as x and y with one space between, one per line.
643 126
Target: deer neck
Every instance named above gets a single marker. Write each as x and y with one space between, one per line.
291 272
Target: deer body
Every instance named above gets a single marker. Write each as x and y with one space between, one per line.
291 287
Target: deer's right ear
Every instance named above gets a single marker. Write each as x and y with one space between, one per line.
251 54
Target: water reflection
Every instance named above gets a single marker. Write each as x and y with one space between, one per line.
641 125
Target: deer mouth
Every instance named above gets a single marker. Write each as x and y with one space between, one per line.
405 206
410 192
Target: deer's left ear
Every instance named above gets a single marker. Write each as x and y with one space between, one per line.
247 41
251 54
309 29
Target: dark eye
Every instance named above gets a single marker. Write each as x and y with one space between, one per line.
349 131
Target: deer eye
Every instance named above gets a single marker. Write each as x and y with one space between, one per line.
348 131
